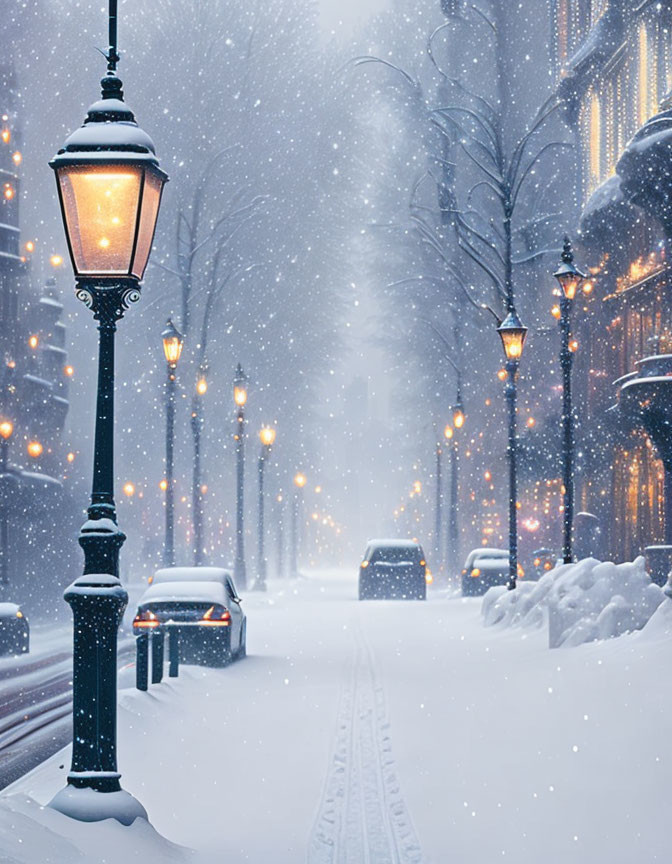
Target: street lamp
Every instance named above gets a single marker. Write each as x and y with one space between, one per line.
300 481
513 333
109 185
570 279
240 399
267 438
438 507
173 343
6 431
197 422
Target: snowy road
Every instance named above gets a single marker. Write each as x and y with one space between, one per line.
400 732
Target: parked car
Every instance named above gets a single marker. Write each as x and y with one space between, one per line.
543 560
394 569
203 604
483 569
14 630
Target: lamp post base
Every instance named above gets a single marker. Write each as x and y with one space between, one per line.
89 805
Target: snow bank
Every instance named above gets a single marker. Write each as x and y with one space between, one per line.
581 602
32 833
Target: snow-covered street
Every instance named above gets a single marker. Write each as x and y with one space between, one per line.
394 731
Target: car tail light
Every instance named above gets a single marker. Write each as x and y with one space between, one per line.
429 578
521 572
146 620
216 616
537 562
423 563
475 572
364 564
548 565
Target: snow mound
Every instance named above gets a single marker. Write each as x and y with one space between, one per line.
580 602
32 833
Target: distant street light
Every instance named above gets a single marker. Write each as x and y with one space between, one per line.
267 438
109 186
513 333
240 399
570 279
6 431
173 343
300 481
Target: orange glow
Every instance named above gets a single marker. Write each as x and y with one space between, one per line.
573 345
129 490
29 246
429 578
555 311
17 158
587 287
223 621
267 435
240 396
476 572
458 418
163 485
201 386
33 341
69 371
9 191
300 480
56 260
35 449
6 136
417 487
448 432
6 429
364 564
502 374
531 422
70 457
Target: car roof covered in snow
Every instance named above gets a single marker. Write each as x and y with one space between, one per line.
184 592
9 610
191 574
396 544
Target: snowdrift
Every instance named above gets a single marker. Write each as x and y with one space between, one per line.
579 602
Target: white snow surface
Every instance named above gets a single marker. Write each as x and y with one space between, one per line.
385 732
194 592
579 602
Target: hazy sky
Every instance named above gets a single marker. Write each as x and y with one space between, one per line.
349 12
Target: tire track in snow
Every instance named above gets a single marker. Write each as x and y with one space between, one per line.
363 818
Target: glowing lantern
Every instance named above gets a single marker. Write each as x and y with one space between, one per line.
35 449
267 435
513 333
173 342
567 274
109 186
6 429
129 490
300 480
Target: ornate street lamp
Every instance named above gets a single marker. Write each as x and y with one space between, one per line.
173 343
267 438
197 492
570 279
300 481
6 431
109 185
513 333
240 399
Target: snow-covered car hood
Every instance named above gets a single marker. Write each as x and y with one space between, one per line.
491 564
184 592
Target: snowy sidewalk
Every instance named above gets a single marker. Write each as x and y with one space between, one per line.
384 732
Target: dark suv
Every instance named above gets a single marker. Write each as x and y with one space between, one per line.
393 569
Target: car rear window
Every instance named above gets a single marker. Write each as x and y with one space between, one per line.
396 555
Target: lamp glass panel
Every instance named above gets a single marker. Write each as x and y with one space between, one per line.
151 198
100 203
172 348
513 340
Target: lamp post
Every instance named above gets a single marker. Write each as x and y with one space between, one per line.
173 342
240 398
109 185
197 422
570 279
512 333
267 438
6 431
450 434
438 506
300 481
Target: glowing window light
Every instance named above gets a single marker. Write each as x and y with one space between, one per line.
595 138
643 84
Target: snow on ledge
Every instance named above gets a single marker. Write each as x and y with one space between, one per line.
580 602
